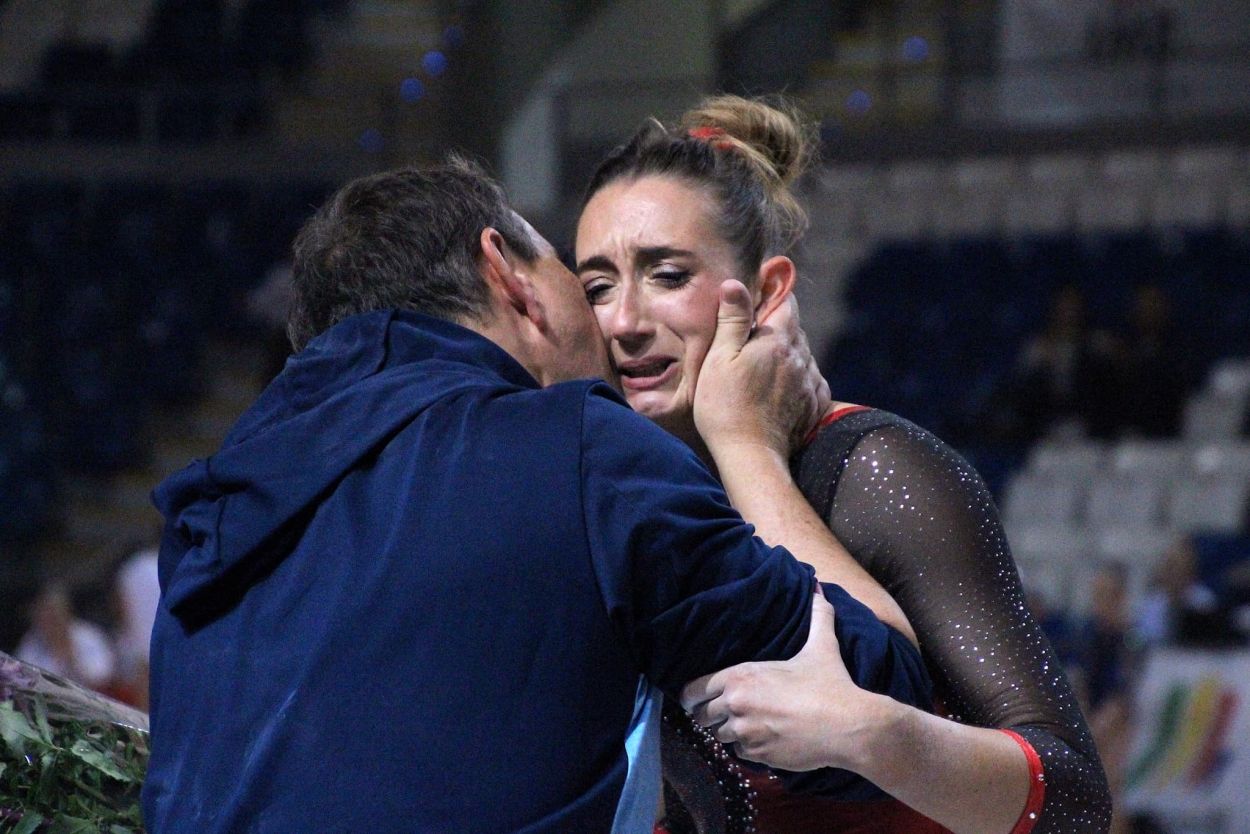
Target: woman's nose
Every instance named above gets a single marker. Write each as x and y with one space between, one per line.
630 322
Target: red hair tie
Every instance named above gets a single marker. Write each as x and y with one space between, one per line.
707 133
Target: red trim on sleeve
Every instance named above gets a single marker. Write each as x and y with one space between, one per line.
1037 786
836 414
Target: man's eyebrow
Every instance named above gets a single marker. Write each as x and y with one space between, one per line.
647 255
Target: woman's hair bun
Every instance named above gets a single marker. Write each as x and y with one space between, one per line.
772 135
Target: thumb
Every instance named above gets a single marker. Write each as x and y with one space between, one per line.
820 635
734 318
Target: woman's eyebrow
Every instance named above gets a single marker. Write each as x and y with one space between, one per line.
599 262
645 256
650 254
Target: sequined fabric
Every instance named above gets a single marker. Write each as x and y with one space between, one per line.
705 789
921 521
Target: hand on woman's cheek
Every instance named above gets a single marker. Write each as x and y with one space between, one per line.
756 387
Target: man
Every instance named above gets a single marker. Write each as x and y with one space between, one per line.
435 574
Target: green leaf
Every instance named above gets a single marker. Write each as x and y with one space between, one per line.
41 719
64 824
45 789
98 759
120 829
29 822
14 728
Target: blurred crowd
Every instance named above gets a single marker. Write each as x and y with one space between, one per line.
112 658
1112 382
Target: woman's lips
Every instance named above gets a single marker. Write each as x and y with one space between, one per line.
644 376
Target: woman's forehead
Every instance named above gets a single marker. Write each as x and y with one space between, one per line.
646 212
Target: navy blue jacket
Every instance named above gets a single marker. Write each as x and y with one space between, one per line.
414 591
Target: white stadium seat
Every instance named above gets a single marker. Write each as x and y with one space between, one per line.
1211 504
1212 415
1164 459
1075 460
1042 499
1125 500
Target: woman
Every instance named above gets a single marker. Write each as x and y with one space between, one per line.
667 219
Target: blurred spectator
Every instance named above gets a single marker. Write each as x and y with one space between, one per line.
64 645
1060 372
1179 608
1100 644
136 594
267 307
1151 376
1052 621
1102 669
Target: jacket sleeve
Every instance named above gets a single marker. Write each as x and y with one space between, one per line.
683 577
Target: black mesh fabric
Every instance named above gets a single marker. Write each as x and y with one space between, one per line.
922 522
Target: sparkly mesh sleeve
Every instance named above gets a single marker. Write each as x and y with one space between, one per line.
920 519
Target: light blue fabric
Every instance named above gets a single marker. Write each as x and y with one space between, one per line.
641 794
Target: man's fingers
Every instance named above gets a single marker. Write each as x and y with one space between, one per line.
711 714
734 318
701 690
727 733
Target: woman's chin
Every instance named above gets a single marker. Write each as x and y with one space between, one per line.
654 405
664 413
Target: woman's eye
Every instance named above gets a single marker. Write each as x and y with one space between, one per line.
671 277
596 292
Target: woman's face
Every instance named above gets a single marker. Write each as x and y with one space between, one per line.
652 262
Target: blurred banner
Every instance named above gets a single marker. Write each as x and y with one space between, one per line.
1190 764
1081 61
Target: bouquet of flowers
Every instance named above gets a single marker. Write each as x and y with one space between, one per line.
71 761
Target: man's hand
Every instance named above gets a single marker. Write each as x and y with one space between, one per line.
757 386
789 714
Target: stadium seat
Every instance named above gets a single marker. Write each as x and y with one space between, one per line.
1075 461
1213 416
1120 501
1034 498
1210 503
1231 459
1057 543
1154 459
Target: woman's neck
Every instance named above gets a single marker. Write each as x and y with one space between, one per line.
685 431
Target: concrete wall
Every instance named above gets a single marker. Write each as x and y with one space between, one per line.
613 73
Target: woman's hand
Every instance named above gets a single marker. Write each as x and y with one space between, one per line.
758 385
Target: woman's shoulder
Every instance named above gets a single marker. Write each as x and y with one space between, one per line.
847 424
850 433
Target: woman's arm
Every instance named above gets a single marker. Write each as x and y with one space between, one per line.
761 488
757 391
807 713
921 521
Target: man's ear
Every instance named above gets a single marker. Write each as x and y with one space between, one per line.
776 283
507 275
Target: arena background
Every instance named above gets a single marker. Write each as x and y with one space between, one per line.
1030 233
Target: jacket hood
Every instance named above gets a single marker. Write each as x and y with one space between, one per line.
232 517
